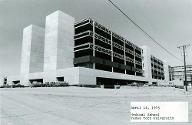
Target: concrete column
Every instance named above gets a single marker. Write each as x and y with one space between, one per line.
147 63
166 71
94 43
134 58
112 49
125 63
59 43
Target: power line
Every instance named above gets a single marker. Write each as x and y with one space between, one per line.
155 41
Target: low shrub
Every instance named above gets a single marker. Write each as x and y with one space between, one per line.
63 84
5 86
89 86
18 86
50 84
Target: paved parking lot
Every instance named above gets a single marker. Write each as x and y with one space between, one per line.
81 106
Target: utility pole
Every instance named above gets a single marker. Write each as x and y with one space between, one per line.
191 79
184 55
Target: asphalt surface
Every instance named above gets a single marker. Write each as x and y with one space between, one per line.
81 106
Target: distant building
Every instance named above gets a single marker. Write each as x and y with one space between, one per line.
84 53
3 81
177 73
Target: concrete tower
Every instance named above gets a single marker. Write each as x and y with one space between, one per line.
147 63
166 71
32 56
59 43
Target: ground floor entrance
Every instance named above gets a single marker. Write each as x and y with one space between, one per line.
110 83
33 81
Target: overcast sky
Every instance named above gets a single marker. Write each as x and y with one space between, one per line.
168 21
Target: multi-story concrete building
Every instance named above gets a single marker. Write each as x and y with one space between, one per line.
84 53
97 47
177 73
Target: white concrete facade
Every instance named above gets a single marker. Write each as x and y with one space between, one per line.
147 63
37 50
166 72
87 76
59 43
81 76
32 58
